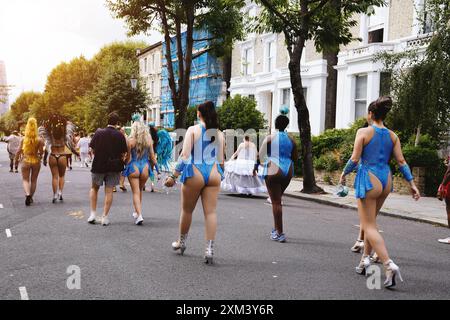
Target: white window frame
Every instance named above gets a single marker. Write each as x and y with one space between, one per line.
247 68
355 99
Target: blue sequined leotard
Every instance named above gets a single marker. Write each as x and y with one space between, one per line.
203 157
280 153
138 163
375 158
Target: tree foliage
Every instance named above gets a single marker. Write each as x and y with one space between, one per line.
240 113
21 107
300 21
173 18
420 82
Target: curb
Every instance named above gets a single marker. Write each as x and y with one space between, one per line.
346 206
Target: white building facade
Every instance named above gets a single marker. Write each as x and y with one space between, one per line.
150 66
260 66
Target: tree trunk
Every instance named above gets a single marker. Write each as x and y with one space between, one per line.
309 180
330 101
227 63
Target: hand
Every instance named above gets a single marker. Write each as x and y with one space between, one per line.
255 172
439 194
415 192
170 182
342 180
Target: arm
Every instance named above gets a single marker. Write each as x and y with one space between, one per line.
235 155
152 155
356 155
19 152
404 168
221 155
188 144
263 150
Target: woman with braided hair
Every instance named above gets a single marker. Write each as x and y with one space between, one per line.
58 133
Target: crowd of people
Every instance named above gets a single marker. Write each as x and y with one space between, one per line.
202 171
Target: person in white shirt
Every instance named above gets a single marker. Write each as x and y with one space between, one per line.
13 142
83 145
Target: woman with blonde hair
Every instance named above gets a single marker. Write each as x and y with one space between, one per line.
140 159
30 154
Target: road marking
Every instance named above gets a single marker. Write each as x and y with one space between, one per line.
23 293
1 206
8 233
275 277
274 262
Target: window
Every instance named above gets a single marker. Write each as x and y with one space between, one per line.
427 23
360 96
153 89
385 83
270 56
376 36
252 96
286 98
145 65
247 61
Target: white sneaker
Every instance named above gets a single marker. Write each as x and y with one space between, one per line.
92 218
135 215
105 221
139 220
446 240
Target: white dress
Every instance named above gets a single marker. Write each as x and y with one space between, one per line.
239 173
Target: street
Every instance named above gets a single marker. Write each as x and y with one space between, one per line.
124 261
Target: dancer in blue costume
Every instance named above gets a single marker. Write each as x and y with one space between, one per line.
201 169
140 159
372 152
280 153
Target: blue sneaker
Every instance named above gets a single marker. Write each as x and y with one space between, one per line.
274 236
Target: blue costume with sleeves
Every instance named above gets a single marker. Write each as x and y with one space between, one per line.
203 157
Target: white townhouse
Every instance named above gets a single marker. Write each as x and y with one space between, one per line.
260 65
150 67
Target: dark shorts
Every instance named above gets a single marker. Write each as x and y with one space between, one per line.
110 179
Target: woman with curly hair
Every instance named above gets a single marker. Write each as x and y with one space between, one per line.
30 153
140 159
58 133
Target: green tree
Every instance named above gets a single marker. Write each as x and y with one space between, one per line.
172 18
240 113
21 107
299 21
113 92
420 82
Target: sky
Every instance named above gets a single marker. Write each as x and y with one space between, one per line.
37 35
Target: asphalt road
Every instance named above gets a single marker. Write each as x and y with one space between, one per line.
124 261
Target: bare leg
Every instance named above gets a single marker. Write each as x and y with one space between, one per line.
134 183
190 192
108 200
93 197
447 205
35 169
367 209
52 162
62 166
209 201
26 169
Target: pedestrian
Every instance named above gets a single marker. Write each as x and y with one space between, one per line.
13 144
83 146
279 152
240 172
372 152
30 151
109 148
444 194
162 147
140 159
201 169
58 133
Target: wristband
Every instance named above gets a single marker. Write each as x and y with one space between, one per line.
350 166
180 165
406 172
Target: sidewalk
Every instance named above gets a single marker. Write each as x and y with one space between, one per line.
429 210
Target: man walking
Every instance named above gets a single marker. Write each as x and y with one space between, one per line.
13 142
109 148
83 145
